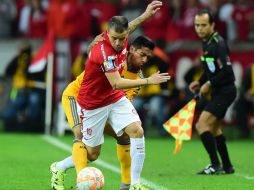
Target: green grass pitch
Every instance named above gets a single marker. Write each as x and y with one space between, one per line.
25 161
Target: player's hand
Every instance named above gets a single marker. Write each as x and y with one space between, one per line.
204 89
194 86
152 8
158 78
97 39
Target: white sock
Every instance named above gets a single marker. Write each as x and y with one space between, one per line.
137 151
65 163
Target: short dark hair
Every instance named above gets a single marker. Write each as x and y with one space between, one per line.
143 41
118 23
208 12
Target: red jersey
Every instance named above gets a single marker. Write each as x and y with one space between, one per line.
95 90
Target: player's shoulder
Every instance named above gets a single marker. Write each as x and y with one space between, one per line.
217 38
102 50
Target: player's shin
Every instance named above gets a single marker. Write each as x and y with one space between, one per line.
123 154
65 164
79 155
137 158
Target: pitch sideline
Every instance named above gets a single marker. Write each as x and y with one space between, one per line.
99 162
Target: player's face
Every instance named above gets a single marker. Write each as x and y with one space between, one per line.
140 56
117 39
202 26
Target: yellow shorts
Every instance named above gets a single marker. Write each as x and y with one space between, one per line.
71 110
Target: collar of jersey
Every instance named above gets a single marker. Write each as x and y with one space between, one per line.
211 37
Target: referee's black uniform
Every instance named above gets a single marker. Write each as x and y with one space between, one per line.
219 73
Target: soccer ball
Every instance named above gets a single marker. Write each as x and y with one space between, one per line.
90 178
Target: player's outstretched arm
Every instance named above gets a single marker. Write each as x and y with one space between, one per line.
151 9
117 82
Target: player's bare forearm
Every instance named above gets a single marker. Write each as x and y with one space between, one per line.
128 83
117 82
135 23
151 9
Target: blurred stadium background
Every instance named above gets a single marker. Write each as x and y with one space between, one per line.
25 24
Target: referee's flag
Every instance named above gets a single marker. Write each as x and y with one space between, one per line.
180 125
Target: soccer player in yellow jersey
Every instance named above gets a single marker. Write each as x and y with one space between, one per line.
139 53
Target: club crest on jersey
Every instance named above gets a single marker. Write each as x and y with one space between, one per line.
108 65
211 66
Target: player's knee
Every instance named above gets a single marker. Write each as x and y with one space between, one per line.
123 140
93 156
202 126
77 132
199 127
137 132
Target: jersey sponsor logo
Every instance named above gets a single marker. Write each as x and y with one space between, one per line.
211 66
108 65
112 57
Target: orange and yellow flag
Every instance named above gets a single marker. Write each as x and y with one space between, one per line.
180 125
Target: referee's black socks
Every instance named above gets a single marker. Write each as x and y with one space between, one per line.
223 151
210 146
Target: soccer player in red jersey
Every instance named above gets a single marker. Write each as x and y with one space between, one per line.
102 100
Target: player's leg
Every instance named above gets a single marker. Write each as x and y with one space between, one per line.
204 127
123 155
123 116
137 150
93 124
58 169
223 101
79 152
223 150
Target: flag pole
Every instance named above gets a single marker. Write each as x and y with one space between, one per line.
49 94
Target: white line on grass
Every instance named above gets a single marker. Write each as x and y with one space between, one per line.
99 162
245 176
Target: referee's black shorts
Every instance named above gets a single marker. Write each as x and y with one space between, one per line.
222 98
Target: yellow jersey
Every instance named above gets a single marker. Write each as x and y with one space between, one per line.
73 88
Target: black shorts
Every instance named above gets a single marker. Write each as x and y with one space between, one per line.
221 99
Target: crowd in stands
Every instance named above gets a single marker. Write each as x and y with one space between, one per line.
81 20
